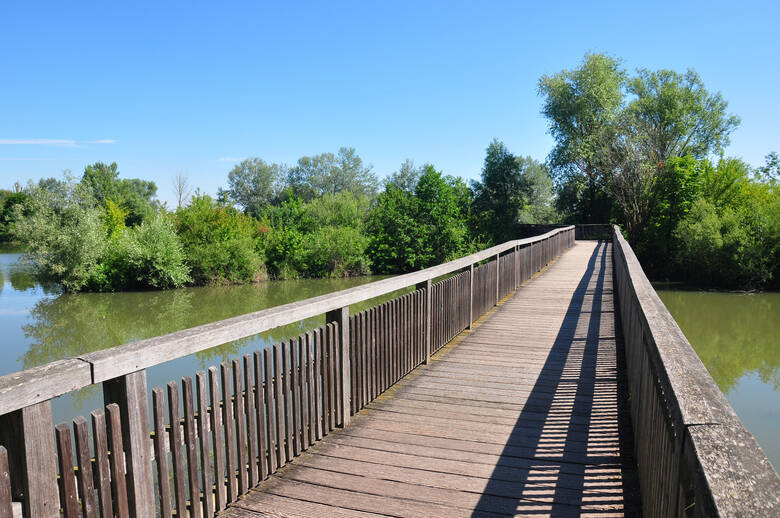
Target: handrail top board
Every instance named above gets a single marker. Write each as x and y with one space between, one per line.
24 388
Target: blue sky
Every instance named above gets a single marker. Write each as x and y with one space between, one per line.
161 87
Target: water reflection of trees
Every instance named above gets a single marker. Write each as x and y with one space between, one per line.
732 334
22 280
74 324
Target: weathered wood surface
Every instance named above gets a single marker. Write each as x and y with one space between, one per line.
525 415
695 456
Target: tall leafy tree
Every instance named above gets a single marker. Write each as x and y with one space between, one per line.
135 195
409 230
407 176
253 184
8 202
314 176
581 106
501 194
440 218
540 191
393 233
673 115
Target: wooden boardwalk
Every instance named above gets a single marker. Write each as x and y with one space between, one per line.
523 415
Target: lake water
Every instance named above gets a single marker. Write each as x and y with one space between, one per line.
737 336
40 325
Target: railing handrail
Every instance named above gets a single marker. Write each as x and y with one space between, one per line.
728 472
27 387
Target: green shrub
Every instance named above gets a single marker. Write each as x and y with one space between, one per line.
143 257
344 209
219 242
393 233
335 252
736 248
698 236
63 232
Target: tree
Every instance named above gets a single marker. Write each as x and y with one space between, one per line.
219 242
501 194
581 106
440 219
135 195
540 192
63 233
393 233
673 115
407 176
412 230
317 175
181 187
770 171
254 184
8 202
103 180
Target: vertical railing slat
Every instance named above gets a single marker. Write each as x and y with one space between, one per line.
102 468
161 453
192 447
270 408
177 457
84 459
262 430
205 444
240 420
6 508
117 461
69 500
218 439
251 418
279 397
229 429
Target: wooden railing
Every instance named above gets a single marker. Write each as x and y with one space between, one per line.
695 457
205 443
582 231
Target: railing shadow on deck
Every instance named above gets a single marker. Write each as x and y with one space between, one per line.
552 451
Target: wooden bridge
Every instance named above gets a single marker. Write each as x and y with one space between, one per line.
539 377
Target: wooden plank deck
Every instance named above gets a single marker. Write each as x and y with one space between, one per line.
525 415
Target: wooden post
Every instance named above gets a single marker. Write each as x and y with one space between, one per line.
427 318
28 435
341 316
471 295
129 393
498 276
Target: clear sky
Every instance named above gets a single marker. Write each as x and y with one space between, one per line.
161 87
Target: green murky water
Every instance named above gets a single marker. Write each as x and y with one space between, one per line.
40 325
737 336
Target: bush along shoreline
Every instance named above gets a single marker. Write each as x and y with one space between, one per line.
327 216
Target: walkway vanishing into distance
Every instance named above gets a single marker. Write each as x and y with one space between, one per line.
526 414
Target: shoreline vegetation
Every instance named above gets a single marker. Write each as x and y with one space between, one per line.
324 217
644 150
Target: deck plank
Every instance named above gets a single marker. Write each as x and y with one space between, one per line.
524 415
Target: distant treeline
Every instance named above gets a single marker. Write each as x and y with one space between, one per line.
327 216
